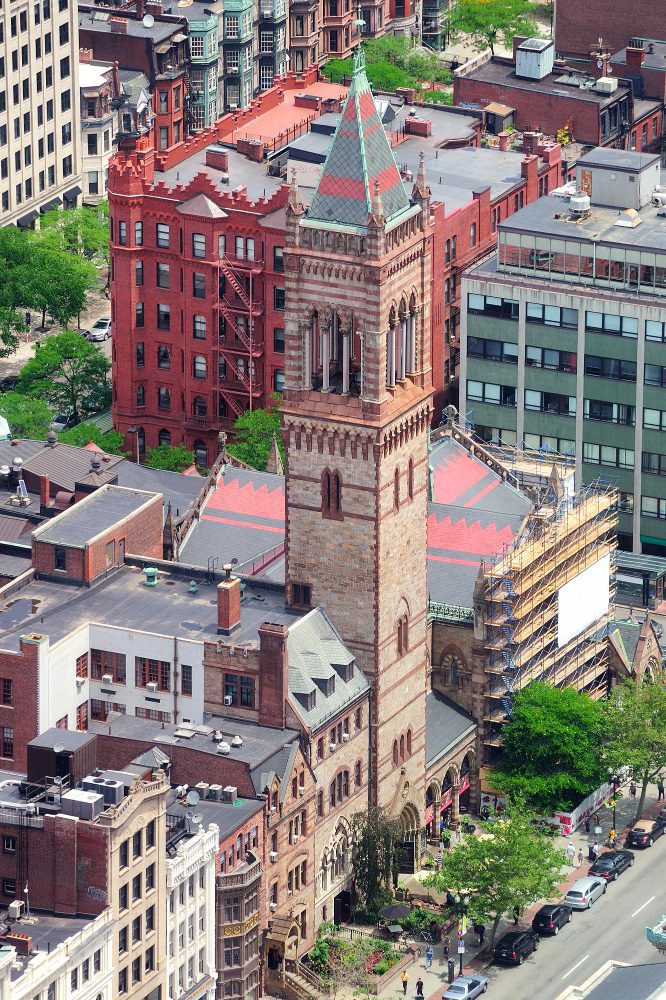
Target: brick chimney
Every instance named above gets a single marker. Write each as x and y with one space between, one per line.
517 41
273 674
635 57
85 55
228 603
529 169
44 491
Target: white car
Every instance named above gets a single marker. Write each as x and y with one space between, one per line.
101 330
584 891
466 988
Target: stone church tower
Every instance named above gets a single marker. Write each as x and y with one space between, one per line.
356 413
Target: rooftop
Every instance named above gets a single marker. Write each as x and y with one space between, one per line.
93 74
47 931
446 726
654 55
501 70
640 982
92 516
69 740
226 815
100 19
260 743
618 159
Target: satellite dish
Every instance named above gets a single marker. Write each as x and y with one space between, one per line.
192 797
58 747
148 20
188 815
58 779
196 818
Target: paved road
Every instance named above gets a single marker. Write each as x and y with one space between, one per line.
613 928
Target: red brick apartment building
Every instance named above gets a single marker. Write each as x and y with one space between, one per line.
197 239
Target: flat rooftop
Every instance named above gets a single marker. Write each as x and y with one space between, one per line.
241 171
226 815
122 599
92 516
259 745
654 55
502 72
99 19
624 160
47 932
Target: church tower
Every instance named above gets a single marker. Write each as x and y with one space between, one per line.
356 413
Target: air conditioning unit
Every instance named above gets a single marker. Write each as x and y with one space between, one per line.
289 892
332 746
202 788
273 856
273 809
273 907
228 700
345 737
295 838
151 686
107 678
301 789
15 909
215 792
230 793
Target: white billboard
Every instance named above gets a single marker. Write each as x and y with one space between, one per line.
583 600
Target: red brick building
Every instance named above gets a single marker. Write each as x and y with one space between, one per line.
579 26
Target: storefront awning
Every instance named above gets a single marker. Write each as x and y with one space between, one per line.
72 193
27 220
53 203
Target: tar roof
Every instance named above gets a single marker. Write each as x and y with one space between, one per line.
446 726
315 649
260 743
92 516
654 55
47 933
227 816
640 982
242 518
69 740
93 19
503 72
240 171
472 516
618 159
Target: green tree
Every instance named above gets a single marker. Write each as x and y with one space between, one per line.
83 231
170 458
488 22
254 432
374 836
338 70
551 747
514 866
27 417
635 731
58 283
64 369
111 442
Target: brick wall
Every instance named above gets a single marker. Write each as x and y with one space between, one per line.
21 716
578 26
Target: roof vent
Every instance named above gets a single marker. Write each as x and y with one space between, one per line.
628 218
150 574
51 439
237 741
224 748
96 463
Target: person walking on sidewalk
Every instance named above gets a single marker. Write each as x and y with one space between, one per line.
446 943
587 824
580 856
516 914
404 979
660 789
480 931
419 987
571 853
428 956
632 790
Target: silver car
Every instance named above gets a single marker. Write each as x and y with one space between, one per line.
466 988
584 891
101 330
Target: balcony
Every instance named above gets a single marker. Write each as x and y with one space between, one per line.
195 422
249 872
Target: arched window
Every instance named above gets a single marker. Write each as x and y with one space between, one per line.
395 752
201 453
164 398
199 367
164 437
199 407
403 635
402 747
409 743
140 395
410 479
396 488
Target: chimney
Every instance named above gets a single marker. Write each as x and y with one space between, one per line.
635 57
228 603
118 25
517 41
504 141
273 674
44 491
85 55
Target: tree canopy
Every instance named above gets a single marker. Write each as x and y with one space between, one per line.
392 62
375 836
27 417
515 866
63 370
488 22
174 458
110 442
634 721
254 433
551 747
83 231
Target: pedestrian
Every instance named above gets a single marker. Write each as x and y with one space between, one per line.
446 942
404 978
595 851
428 956
587 824
571 853
632 790
660 789
419 987
439 860
516 914
480 930
580 856
612 836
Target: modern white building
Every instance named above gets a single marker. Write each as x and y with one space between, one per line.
190 904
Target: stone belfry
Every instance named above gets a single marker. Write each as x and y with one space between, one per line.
355 419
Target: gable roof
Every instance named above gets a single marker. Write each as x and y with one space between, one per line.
200 204
359 158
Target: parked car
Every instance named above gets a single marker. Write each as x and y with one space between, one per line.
645 832
584 892
611 864
101 330
550 918
515 946
9 383
63 421
466 988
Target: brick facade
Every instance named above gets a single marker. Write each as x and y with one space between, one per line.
19 711
578 27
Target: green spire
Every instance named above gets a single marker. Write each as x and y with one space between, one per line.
359 54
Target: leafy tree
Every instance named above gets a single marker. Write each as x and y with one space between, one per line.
514 866
634 721
338 69
436 97
488 22
64 369
27 417
83 231
170 458
392 62
375 836
58 283
551 747
254 432
111 442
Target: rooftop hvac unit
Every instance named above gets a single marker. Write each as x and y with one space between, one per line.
83 805
113 791
15 909
230 793
224 748
215 792
93 783
202 788
606 85
151 686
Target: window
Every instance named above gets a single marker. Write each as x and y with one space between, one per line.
199 367
544 357
550 402
492 350
653 507
403 635
186 679
136 844
162 236
331 494
150 878
278 259
122 940
551 315
140 353
300 595
136 888
231 23
198 245
232 952
104 662
199 328
164 357
655 375
278 380
136 970
162 275
123 854
138 273
472 235
617 458
140 395
149 671
122 234
278 298
123 897
82 665
278 340
163 317
490 305
199 285
489 392
9 845
612 368
138 234
357 774
139 322
9 887
615 413
654 464
149 963
655 330
59 558
150 834
150 919
617 326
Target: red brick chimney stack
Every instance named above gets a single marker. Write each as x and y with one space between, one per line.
228 603
44 491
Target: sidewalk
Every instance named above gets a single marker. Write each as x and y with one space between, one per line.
475 958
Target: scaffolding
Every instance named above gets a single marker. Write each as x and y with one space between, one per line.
520 589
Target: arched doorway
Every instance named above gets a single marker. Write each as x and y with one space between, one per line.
281 943
408 849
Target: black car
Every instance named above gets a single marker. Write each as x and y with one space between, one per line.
645 832
9 383
612 864
550 918
515 946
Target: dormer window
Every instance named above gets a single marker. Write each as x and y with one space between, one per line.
326 685
344 670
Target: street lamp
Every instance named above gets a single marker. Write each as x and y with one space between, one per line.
613 780
462 902
135 430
